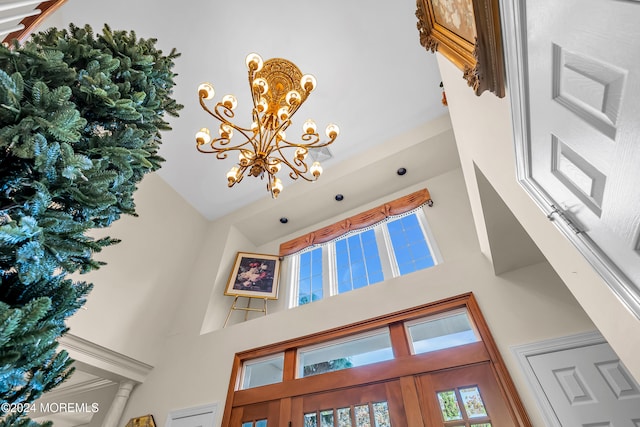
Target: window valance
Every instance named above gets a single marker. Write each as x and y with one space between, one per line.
356 222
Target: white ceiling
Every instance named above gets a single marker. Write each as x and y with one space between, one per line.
374 80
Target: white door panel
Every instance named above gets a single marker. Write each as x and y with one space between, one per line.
585 133
588 386
578 75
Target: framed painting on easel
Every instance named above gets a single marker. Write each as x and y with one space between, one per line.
254 276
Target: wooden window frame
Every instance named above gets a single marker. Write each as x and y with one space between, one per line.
402 366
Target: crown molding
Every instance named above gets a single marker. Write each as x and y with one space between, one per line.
104 359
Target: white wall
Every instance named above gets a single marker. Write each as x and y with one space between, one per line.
194 369
482 127
133 301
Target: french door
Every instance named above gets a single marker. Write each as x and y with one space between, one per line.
461 397
376 405
464 397
266 414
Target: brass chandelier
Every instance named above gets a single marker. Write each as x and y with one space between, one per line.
278 89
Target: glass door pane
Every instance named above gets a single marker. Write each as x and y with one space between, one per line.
468 396
376 405
256 415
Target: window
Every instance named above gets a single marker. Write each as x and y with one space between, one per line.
424 334
354 351
357 261
375 245
410 245
310 276
262 371
441 331
395 247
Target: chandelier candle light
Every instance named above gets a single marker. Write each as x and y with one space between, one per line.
278 89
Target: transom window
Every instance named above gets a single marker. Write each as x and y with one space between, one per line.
430 333
350 352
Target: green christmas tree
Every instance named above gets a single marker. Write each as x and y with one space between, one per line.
80 122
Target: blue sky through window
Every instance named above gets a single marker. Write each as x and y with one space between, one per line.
409 244
357 261
310 276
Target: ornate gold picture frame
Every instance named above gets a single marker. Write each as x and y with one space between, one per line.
254 276
467 32
144 421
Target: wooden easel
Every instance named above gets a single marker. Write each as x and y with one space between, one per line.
246 309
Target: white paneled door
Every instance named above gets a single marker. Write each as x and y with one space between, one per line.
588 387
582 90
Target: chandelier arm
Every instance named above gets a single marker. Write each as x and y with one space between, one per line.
218 116
262 130
322 144
205 108
240 174
220 149
293 109
299 167
228 112
264 141
270 179
307 137
299 175
282 126
220 145
254 94
294 167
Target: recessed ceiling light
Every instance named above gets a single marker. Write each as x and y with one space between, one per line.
339 197
401 171
284 220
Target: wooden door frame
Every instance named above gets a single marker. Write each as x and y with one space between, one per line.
403 364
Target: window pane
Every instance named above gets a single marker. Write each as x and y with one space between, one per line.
362 416
344 417
357 261
381 414
409 244
438 332
449 405
473 403
355 351
263 371
343 268
355 248
326 418
310 420
310 276
261 423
